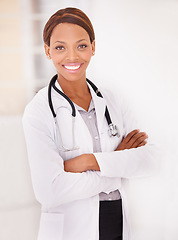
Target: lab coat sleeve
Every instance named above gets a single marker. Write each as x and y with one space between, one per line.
52 185
128 163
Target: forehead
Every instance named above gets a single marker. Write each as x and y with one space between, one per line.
69 32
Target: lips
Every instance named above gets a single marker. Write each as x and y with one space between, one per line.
72 66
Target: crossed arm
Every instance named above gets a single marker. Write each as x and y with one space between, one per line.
87 162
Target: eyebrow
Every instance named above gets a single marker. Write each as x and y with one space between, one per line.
81 40
64 42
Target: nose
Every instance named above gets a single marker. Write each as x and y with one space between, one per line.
72 54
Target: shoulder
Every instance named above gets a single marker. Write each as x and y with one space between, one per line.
39 100
38 107
37 117
112 97
117 101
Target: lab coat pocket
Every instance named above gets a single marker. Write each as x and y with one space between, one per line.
51 226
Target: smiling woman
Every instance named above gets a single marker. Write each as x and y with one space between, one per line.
70 50
70 42
77 165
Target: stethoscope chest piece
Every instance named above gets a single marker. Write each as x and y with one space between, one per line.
113 130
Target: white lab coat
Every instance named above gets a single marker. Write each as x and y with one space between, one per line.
70 201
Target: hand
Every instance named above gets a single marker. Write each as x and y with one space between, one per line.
133 140
81 163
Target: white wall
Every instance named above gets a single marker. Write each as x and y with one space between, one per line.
137 54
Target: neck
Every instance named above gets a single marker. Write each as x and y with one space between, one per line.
74 89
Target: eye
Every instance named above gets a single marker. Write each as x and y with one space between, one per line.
59 48
82 46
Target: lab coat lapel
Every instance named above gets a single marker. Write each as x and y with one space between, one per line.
100 107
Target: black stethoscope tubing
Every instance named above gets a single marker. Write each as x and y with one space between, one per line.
52 84
98 93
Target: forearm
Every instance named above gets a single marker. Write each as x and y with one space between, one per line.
81 163
129 163
87 162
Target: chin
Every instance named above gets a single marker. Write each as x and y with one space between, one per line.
72 78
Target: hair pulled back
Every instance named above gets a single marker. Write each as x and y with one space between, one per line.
68 15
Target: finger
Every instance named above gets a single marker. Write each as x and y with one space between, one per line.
127 141
138 139
130 135
143 143
131 140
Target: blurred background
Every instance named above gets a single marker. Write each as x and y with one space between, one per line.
136 55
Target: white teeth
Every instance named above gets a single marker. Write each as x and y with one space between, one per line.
72 67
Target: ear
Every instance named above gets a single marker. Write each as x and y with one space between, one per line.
93 47
47 51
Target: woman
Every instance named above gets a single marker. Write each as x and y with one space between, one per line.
77 166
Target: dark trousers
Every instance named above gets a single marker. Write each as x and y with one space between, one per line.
110 220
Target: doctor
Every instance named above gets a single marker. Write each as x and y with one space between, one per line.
77 164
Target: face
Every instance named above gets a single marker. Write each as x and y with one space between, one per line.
70 50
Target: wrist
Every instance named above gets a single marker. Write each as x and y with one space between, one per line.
91 162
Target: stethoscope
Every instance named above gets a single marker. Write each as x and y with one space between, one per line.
113 130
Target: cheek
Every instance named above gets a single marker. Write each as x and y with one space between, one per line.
87 55
56 58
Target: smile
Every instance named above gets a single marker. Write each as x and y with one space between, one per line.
72 67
